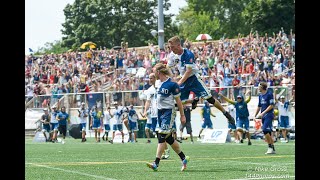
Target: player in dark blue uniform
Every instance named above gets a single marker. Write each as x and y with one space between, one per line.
168 94
265 112
190 78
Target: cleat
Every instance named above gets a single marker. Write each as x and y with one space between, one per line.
184 163
179 140
103 138
195 102
229 117
153 166
111 141
149 141
270 151
241 141
249 143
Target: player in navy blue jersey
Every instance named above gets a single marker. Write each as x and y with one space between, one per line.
265 112
190 78
168 93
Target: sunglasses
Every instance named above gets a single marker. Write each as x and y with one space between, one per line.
239 98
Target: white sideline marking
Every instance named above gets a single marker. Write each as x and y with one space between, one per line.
272 177
75 172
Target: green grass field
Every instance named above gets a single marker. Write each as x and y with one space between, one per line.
91 160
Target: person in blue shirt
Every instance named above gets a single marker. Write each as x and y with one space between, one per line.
96 122
265 113
205 116
242 115
190 78
168 94
63 118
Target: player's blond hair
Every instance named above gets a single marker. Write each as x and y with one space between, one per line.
175 40
162 68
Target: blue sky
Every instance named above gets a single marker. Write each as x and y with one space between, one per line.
43 19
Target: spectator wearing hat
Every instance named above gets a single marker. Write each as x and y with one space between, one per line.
283 109
45 120
242 115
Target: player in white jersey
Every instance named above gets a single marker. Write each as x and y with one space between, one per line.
133 123
83 117
117 112
54 122
283 109
148 125
190 79
107 115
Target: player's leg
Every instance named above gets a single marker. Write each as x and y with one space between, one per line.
246 127
267 129
147 131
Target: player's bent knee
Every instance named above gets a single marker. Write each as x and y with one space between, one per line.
267 132
211 100
170 140
161 138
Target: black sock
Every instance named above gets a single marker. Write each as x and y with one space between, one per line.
182 156
273 147
157 161
270 145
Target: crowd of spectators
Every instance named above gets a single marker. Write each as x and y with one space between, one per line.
244 61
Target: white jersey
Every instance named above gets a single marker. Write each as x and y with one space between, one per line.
53 116
232 110
183 61
283 108
84 113
152 96
117 114
106 117
149 118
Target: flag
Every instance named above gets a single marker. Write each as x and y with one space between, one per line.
30 50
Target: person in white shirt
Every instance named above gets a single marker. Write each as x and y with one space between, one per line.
107 115
117 112
283 109
83 117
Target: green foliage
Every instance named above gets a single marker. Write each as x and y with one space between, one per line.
231 17
54 48
108 23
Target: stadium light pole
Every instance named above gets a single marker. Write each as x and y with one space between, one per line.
160 25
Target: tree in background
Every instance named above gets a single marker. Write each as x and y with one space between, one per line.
231 17
108 23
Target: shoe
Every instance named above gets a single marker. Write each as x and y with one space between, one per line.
111 141
153 166
149 141
195 102
179 140
229 117
122 142
241 141
103 138
270 151
184 163
82 140
85 139
249 143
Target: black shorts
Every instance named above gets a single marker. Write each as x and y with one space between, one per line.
188 127
63 129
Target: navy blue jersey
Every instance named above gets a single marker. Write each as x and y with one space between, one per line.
265 100
166 94
63 116
206 112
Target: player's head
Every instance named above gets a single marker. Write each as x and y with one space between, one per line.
175 44
282 98
63 109
45 110
263 86
161 69
239 98
152 78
